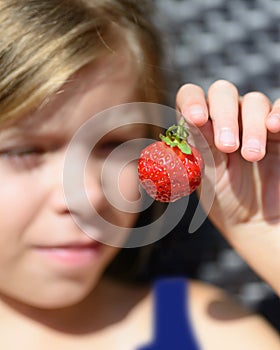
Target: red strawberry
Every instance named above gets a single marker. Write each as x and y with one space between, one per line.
171 168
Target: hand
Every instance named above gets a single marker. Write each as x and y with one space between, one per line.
243 134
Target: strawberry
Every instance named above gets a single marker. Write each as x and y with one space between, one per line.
171 168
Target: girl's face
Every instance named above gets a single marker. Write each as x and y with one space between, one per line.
46 260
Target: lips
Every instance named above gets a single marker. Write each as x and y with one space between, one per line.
71 253
69 245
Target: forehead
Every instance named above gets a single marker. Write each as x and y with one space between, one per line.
94 88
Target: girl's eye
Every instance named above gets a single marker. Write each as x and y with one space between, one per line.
23 157
22 152
103 149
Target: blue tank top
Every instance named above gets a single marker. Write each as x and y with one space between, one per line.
172 327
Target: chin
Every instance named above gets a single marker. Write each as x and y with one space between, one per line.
56 297
62 297
58 302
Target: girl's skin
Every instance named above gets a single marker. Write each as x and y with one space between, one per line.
53 295
244 136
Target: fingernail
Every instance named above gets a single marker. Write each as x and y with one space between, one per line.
253 145
196 111
227 137
275 118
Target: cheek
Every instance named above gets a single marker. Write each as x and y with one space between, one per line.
120 186
121 189
17 205
129 183
130 199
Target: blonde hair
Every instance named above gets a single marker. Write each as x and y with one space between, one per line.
44 42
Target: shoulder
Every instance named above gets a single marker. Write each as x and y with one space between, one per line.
216 319
219 321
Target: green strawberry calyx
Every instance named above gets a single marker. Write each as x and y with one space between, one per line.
176 136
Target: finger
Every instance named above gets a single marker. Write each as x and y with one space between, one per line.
191 102
255 108
273 119
223 103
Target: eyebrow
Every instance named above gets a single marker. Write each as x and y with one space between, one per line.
23 134
6 133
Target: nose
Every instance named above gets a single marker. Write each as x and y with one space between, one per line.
76 188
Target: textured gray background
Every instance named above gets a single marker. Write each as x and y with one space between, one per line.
235 40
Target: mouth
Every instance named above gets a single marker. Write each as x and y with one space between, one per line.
71 253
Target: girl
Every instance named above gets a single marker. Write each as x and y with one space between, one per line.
62 64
